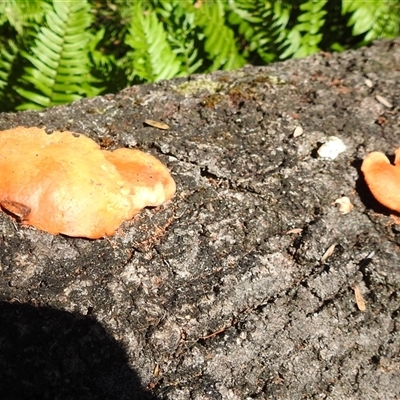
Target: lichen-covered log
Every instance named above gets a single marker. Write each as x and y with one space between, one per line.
251 283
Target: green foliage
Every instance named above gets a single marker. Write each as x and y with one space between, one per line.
304 38
374 19
60 71
181 27
18 13
151 56
262 26
53 52
8 55
219 39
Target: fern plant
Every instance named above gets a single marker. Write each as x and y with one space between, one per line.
179 20
8 56
19 13
60 70
262 26
305 36
373 19
220 43
53 52
152 56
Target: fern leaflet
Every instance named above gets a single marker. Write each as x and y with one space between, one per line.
262 25
152 56
374 19
306 35
7 58
180 22
219 39
18 13
60 70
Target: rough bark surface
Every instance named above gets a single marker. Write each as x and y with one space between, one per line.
226 292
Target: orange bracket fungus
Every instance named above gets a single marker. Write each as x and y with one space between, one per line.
64 183
383 178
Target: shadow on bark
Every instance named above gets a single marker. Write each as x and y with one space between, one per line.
51 354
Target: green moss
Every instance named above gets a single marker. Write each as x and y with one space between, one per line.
199 85
272 79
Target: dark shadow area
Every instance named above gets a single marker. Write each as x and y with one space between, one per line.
52 354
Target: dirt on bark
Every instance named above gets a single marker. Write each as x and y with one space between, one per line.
250 283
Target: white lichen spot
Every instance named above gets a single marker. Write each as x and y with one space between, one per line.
331 148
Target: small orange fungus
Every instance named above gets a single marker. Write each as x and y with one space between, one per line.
383 178
64 183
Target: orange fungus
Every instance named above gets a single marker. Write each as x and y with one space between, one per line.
64 183
383 178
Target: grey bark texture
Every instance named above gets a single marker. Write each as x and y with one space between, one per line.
227 291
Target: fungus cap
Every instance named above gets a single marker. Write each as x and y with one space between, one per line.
383 179
64 183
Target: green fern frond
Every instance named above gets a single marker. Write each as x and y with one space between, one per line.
60 71
187 53
262 25
180 23
152 56
246 16
114 17
306 35
19 13
374 19
219 39
105 68
8 56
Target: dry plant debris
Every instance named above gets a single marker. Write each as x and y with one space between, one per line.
383 101
294 230
156 124
359 298
328 253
